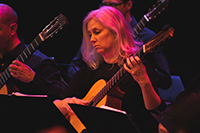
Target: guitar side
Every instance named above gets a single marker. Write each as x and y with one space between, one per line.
74 120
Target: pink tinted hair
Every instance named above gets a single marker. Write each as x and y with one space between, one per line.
112 19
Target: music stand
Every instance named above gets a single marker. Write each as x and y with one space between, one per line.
98 120
31 114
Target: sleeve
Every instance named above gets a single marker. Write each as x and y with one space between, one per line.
75 64
77 85
48 79
162 69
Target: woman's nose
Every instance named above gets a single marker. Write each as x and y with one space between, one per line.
93 39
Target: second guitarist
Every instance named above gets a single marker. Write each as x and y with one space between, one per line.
39 74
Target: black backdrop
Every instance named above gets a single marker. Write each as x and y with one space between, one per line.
182 51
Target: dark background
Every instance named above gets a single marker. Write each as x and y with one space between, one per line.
182 51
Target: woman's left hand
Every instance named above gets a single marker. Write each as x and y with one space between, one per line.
135 67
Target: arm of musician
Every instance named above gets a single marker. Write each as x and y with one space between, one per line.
65 109
46 79
138 71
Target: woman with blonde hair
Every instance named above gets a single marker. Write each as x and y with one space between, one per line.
123 43
107 43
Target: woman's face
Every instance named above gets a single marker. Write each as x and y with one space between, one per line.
101 38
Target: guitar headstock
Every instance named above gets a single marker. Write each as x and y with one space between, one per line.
160 6
163 35
53 27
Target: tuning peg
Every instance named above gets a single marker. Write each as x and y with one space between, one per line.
152 7
158 2
163 8
149 9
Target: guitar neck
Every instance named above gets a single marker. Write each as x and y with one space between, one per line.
140 26
113 81
26 53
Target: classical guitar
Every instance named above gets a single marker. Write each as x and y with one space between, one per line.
97 94
159 7
49 31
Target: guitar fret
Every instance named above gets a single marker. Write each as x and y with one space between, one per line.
142 23
32 46
3 78
112 81
110 84
7 73
1 82
25 54
28 51
136 31
139 27
118 75
36 42
21 58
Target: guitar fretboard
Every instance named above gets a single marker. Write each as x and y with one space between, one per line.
140 26
27 52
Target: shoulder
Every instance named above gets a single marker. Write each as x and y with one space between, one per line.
146 35
37 58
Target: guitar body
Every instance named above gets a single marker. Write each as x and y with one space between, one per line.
74 120
4 90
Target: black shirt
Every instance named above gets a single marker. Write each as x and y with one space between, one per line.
47 79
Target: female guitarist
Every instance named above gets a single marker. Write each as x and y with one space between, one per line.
107 43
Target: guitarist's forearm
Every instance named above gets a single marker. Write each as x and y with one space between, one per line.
151 98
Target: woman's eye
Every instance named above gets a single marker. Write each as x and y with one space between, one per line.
90 34
94 33
97 32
